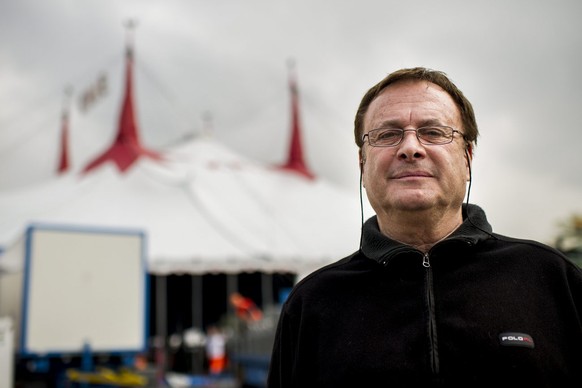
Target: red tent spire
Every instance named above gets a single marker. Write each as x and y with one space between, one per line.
64 143
126 147
295 160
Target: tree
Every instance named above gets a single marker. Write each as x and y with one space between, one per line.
569 240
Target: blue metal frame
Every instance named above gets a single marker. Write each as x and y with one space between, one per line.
23 352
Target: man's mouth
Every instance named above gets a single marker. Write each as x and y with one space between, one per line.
411 174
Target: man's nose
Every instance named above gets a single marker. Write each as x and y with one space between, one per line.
410 147
411 134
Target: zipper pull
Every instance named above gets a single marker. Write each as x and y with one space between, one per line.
425 261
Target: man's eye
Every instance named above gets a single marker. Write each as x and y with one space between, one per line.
432 132
388 135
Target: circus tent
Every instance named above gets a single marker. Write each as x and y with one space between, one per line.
203 207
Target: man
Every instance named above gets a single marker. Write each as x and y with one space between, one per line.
215 350
433 297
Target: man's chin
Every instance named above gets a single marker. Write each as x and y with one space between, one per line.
413 202
414 207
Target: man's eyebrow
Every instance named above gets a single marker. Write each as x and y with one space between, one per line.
429 122
397 124
389 124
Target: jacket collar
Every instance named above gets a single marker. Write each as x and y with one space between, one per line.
379 247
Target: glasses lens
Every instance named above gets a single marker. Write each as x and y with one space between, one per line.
435 135
385 137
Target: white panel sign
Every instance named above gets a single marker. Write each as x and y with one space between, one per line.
84 287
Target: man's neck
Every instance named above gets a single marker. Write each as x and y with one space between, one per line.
421 230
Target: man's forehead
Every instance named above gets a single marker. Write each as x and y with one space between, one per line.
410 99
412 89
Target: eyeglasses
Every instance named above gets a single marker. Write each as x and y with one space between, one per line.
390 137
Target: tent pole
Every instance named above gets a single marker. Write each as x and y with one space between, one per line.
161 324
197 321
197 301
231 287
267 290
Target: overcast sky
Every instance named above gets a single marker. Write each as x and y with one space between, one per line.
519 62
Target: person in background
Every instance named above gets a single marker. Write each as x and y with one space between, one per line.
432 297
215 350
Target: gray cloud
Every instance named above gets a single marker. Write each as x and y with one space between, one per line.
517 61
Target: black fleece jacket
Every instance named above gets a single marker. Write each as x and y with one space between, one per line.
479 309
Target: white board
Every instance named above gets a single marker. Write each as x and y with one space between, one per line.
84 286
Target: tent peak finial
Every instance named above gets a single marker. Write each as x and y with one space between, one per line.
295 158
64 163
127 146
130 24
207 123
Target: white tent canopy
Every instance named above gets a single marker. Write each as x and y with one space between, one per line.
203 208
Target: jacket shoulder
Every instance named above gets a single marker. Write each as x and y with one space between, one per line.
315 282
326 270
539 250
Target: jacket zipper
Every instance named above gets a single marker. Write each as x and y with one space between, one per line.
425 260
432 332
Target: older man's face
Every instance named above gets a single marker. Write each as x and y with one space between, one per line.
412 176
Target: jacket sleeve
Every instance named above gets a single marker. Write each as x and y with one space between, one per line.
282 362
575 282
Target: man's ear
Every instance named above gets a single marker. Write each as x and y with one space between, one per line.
469 157
362 159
